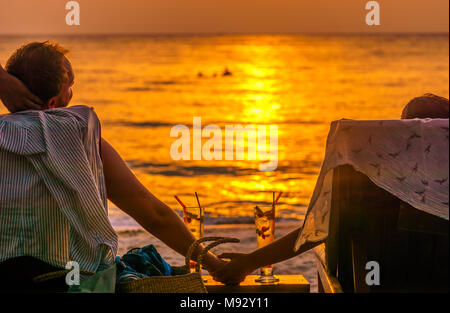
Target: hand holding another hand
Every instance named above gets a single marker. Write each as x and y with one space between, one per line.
235 271
212 263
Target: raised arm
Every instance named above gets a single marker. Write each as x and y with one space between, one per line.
15 96
125 191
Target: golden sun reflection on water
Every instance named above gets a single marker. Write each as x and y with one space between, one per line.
261 103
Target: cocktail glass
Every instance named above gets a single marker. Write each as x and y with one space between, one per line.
194 220
265 231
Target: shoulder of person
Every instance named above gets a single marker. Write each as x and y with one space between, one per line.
84 115
82 110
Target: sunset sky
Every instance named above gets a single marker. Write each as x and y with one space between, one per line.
229 16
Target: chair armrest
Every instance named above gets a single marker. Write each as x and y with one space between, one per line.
327 283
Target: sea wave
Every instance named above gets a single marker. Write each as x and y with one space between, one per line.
155 124
141 89
171 169
165 83
134 229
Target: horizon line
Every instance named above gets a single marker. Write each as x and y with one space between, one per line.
224 33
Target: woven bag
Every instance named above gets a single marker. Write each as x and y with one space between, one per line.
182 281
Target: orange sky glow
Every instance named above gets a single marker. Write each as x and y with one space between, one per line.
221 16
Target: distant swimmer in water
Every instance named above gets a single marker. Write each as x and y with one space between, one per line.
226 72
199 74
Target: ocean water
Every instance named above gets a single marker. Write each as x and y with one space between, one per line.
142 86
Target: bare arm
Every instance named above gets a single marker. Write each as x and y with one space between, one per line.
125 191
280 250
243 264
15 95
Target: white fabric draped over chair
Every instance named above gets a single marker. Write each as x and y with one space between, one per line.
408 158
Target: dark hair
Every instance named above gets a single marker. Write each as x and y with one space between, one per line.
426 106
39 65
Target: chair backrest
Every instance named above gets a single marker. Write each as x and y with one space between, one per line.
369 224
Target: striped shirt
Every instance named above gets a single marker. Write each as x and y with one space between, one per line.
53 203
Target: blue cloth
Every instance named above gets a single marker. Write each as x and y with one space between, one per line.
141 263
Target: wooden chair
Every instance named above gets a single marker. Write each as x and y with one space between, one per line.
369 224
